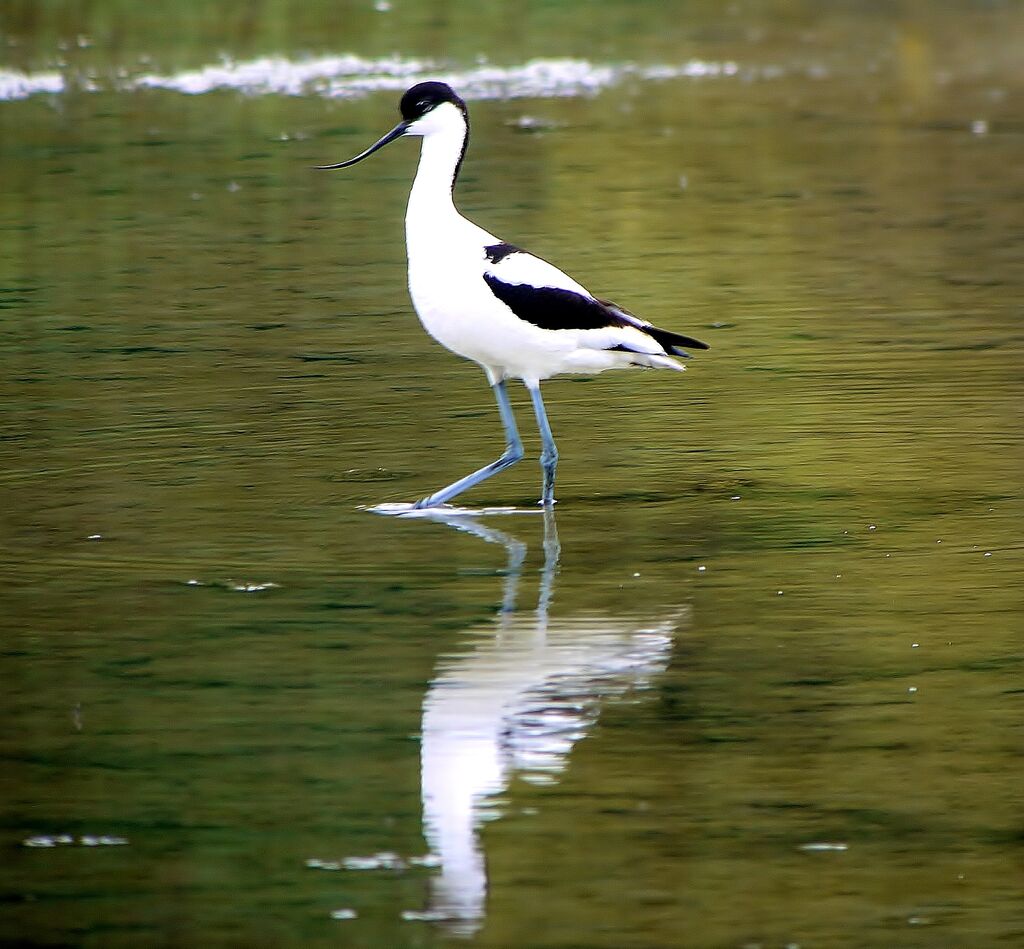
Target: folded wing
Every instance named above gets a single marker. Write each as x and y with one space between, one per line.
542 295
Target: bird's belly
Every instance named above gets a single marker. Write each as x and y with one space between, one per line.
464 316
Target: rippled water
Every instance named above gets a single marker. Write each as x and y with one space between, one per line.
757 682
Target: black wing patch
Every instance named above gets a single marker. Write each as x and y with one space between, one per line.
498 252
552 308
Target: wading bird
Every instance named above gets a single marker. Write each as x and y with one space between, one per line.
514 314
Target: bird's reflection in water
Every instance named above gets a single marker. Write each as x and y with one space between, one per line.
514 703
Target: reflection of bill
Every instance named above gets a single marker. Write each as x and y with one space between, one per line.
515 702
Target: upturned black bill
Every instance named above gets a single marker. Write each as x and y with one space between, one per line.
397 132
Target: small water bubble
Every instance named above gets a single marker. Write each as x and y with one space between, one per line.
636 574
40 840
103 840
920 920
430 860
94 537
988 553
912 688
684 182
735 497
378 861
979 127
823 846
196 196
382 6
234 186
778 592
872 527
701 569
315 863
914 645
193 583
67 840
423 916
533 123
248 587
343 914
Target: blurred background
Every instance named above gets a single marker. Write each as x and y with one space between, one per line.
758 681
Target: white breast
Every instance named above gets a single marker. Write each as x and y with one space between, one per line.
458 309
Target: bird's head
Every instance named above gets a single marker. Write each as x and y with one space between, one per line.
428 108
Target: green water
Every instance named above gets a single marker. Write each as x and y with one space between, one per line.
783 630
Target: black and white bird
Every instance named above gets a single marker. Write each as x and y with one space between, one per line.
514 314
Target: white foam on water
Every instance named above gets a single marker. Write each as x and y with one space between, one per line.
352 76
20 85
270 75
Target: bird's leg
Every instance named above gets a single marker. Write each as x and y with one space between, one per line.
549 453
513 453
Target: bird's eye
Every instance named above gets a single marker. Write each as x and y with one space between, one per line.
422 104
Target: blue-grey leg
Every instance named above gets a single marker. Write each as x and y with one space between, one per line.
513 453
549 454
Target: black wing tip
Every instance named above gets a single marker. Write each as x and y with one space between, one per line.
670 341
668 338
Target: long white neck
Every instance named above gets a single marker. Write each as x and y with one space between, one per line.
430 201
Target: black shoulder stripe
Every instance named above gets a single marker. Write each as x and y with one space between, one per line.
498 252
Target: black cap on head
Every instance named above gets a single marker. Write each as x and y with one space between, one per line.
416 103
424 96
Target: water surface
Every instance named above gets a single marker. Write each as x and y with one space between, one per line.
757 682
